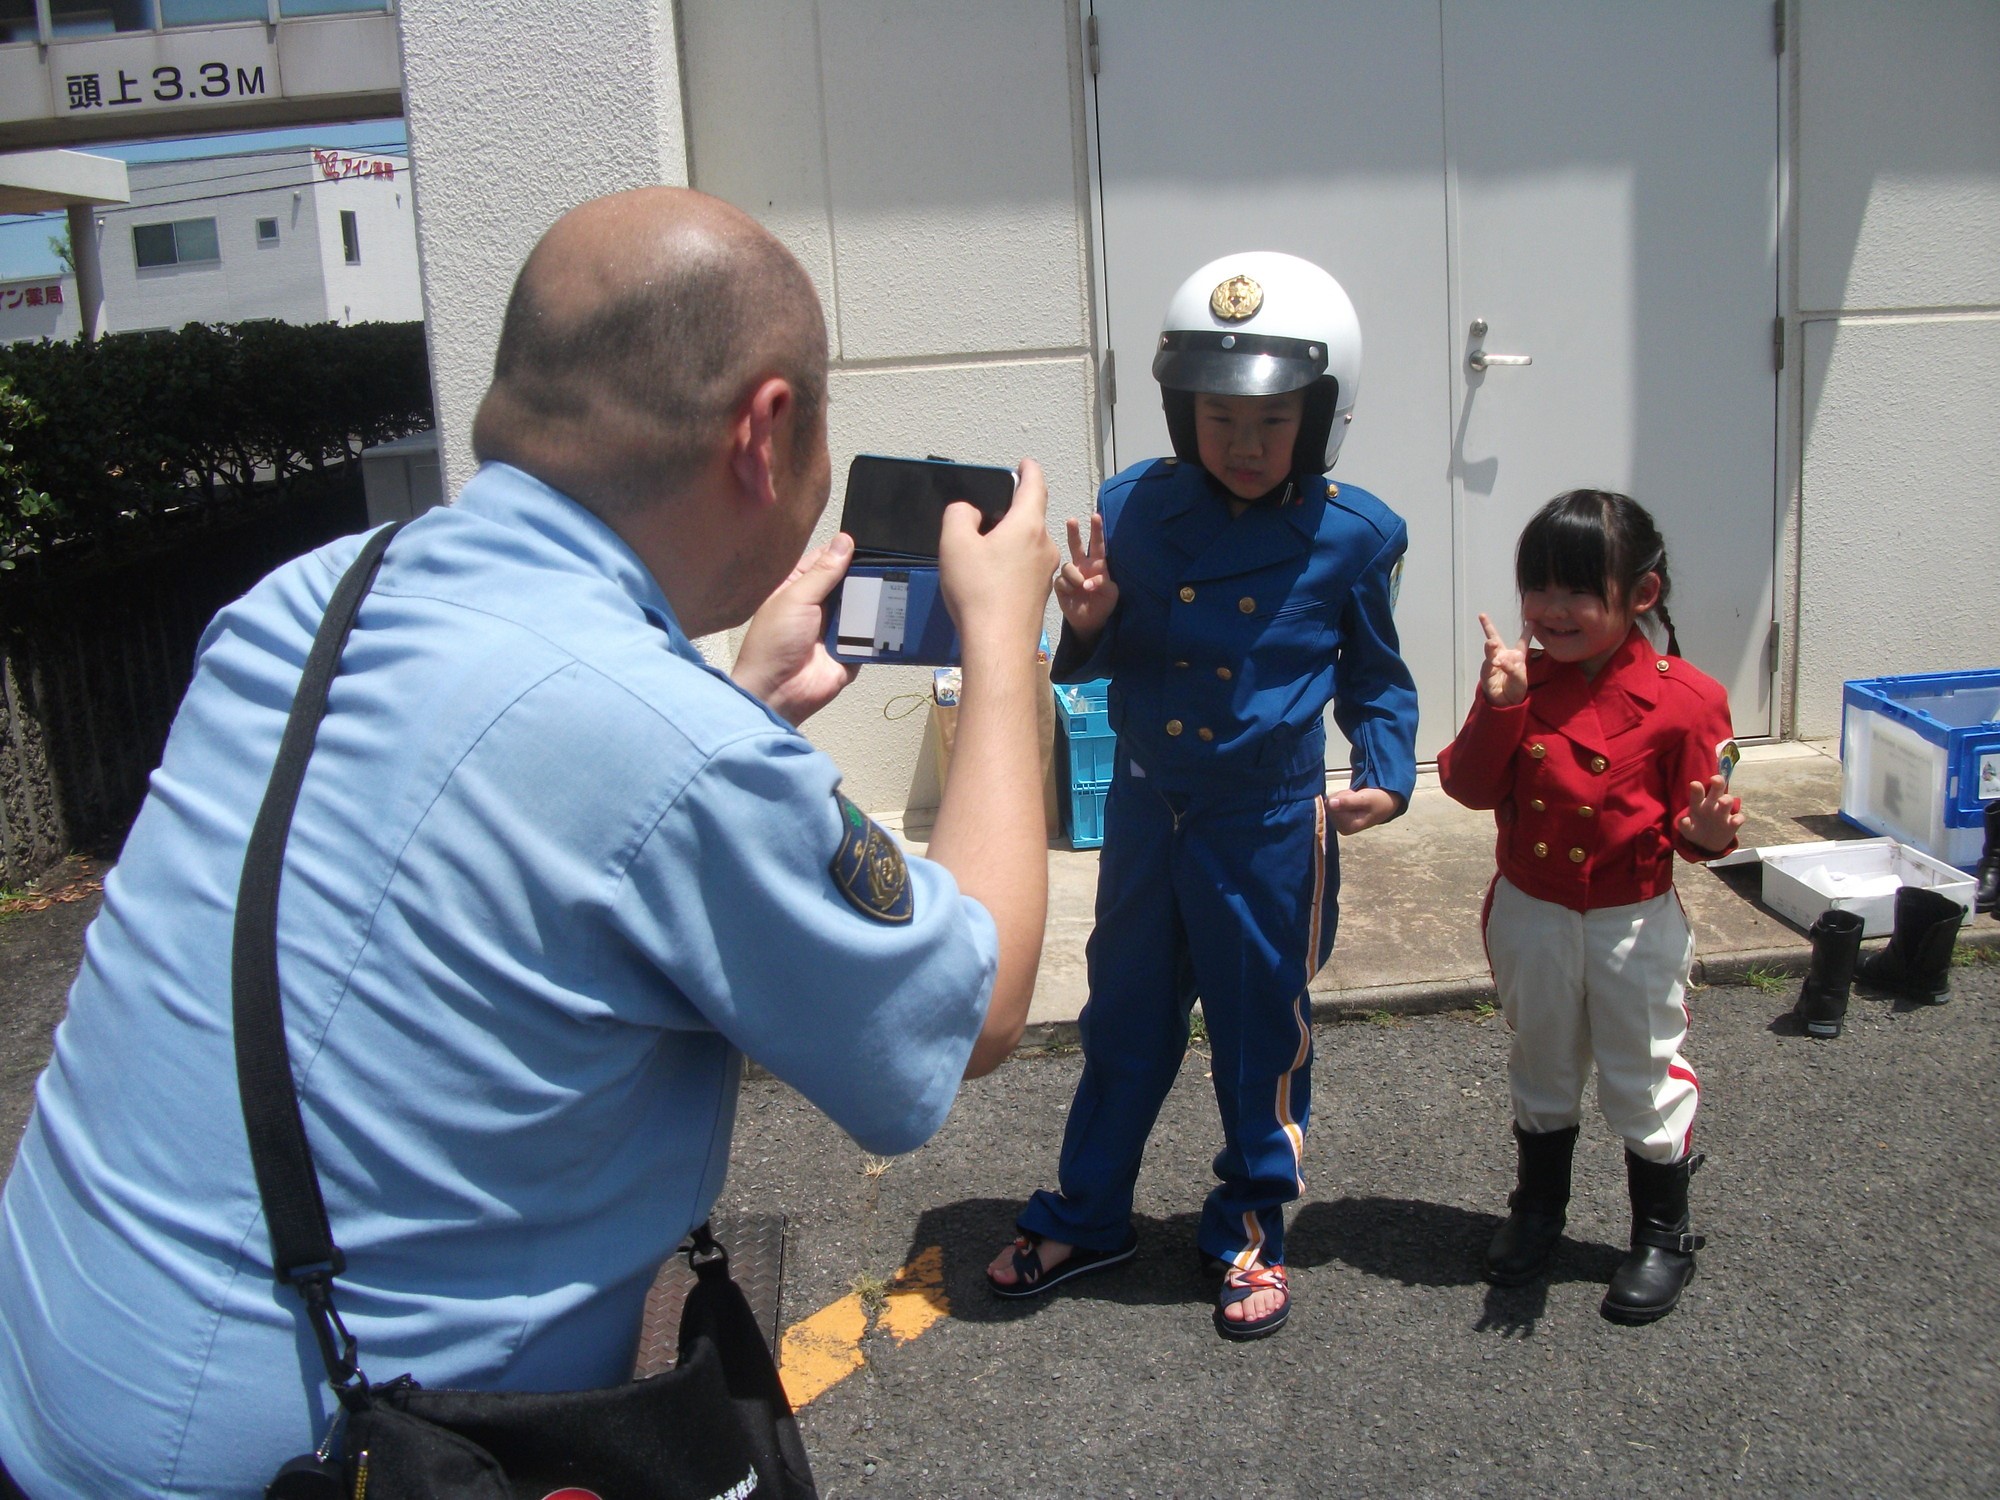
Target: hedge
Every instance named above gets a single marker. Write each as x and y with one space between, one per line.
98 440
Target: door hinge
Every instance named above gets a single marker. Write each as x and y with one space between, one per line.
1090 36
1777 645
1778 26
1110 377
1778 343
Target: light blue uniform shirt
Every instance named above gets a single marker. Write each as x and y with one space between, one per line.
550 876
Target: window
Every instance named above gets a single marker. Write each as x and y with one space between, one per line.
267 231
350 236
183 242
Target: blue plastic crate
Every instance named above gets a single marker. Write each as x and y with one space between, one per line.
1086 817
1920 755
1084 725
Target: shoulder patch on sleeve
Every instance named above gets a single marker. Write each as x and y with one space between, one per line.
1727 754
868 868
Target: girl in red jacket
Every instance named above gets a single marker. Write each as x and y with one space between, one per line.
1602 759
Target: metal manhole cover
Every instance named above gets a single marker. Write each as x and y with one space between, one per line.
756 1246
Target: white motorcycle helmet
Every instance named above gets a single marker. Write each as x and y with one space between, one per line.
1261 323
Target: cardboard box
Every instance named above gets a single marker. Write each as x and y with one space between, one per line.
1857 875
945 718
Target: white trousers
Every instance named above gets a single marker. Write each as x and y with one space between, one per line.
1608 986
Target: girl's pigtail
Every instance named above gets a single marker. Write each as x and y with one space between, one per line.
1673 641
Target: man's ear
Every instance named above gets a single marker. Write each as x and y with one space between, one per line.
754 438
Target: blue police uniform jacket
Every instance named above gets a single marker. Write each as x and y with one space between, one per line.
549 878
1232 634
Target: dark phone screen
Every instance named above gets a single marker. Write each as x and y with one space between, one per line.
896 505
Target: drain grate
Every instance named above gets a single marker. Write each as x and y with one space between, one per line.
756 1246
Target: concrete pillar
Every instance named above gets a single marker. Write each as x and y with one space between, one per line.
89 270
517 112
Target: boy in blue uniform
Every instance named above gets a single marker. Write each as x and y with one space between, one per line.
1230 593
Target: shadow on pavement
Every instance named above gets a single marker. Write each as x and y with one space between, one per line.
1404 1240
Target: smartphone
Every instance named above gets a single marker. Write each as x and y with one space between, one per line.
889 609
895 506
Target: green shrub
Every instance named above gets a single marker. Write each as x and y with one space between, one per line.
104 437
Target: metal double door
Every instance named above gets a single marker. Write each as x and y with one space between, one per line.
1587 186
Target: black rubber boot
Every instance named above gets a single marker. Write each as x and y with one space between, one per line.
1523 1246
1917 962
1836 940
1987 871
1650 1280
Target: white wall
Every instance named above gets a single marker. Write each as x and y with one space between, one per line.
1898 294
384 285
517 112
925 163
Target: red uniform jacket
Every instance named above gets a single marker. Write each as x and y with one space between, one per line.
1588 777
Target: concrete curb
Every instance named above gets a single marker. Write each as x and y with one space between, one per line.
1427 997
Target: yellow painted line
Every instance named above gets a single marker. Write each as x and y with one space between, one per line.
819 1352
916 1298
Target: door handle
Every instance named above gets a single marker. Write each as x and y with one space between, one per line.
1480 361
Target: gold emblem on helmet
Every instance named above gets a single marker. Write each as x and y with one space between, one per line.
1236 299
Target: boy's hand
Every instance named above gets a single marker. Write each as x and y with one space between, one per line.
1359 807
1504 678
1084 588
1713 816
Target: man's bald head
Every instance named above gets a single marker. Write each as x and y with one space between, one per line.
636 326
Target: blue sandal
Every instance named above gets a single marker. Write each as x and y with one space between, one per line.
1030 1280
1237 1286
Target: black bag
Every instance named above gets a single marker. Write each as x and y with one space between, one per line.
715 1427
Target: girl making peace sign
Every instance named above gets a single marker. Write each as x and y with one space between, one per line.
1602 759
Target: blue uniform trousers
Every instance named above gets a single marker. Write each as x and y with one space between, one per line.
1230 897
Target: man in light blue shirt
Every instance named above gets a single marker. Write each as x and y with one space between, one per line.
550 877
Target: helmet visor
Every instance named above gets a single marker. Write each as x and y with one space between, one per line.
1236 364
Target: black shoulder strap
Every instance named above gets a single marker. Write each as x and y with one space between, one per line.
302 1244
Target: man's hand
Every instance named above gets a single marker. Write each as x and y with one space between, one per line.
1713 816
1360 807
1084 589
784 659
1504 678
997 584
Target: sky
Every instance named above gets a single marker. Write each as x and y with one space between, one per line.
24 241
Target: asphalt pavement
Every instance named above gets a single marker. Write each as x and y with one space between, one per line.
1841 1337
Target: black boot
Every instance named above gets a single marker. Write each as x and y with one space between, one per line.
1836 940
1917 962
1987 871
1650 1280
1522 1246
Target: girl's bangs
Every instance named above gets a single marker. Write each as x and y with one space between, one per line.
1565 549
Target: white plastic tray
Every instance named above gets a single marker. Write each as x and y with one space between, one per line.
1857 875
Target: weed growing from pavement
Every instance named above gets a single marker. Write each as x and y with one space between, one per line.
1197 1028
873 1292
874 1166
1768 981
1382 1018
1483 1010
1967 954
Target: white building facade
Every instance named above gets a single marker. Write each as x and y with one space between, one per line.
301 236
972 188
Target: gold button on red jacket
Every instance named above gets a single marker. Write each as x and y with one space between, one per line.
1626 744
